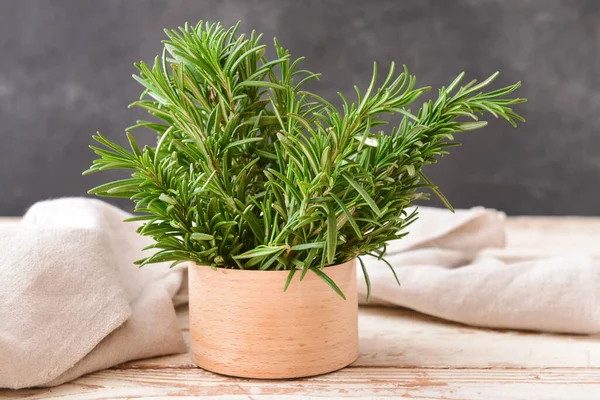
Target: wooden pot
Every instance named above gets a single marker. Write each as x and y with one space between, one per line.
243 324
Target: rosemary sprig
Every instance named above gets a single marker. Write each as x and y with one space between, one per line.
251 171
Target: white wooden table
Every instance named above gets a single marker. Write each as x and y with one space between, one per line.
402 353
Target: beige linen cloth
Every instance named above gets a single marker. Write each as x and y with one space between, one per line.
73 302
442 275
71 299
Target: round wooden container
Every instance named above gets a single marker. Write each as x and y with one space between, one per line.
243 324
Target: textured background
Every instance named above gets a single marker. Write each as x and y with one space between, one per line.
65 72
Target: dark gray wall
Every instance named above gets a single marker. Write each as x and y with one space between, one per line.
65 72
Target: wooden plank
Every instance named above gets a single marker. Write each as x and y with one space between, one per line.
374 383
403 338
9 220
550 233
538 237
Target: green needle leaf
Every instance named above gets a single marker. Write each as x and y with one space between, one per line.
260 251
289 278
313 245
201 236
367 279
331 235
349 216
436 190
329 281
167 199
364 195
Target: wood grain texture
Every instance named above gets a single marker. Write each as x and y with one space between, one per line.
6 221
372 383
405 339
402 353
243 324
536 237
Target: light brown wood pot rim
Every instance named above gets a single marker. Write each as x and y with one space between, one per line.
282 272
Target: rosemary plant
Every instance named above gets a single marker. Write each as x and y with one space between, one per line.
250 171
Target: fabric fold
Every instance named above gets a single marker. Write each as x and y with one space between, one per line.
72 300
441 275
56 306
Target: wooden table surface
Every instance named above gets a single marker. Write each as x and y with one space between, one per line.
402 353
